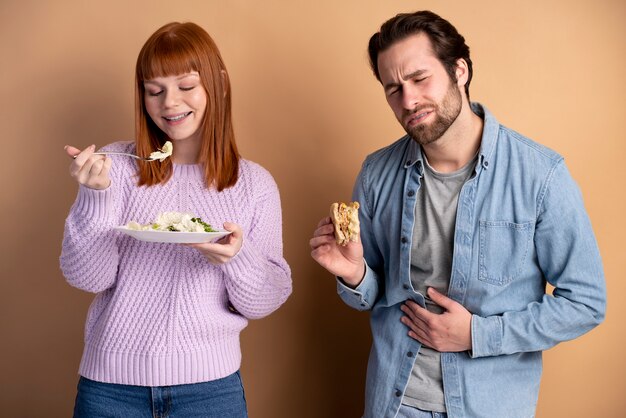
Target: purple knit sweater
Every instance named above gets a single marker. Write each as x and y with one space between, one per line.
161 316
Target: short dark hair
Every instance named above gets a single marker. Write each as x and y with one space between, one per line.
448 44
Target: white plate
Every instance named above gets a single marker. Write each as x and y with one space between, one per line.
171 236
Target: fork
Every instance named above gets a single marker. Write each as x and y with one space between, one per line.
126 154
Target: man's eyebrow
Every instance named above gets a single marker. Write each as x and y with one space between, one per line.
414 74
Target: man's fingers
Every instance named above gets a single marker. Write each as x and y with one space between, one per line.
409 323
323 237
420 331
416 310
415 325
441 299
321 240
318 252
326 229
414 318
416 332
409 312
422 338
324 221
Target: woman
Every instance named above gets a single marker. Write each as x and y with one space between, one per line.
162 334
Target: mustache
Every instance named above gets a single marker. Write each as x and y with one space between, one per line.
418 109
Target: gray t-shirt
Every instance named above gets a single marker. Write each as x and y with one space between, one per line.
431 265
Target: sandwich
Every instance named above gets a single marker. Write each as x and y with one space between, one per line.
345 219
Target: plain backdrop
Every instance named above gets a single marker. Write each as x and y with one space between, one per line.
306 107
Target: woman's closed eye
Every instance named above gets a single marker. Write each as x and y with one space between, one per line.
159 92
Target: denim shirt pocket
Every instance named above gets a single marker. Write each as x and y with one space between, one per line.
504 247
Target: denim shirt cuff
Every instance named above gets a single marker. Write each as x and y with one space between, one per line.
362 297
486 336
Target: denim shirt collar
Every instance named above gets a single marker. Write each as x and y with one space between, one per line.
491 127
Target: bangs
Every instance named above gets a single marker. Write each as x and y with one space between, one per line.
168 55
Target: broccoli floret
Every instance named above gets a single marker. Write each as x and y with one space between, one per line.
207 227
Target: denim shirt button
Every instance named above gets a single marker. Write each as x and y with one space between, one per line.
405 286
411 193
404 240
398 393
409 354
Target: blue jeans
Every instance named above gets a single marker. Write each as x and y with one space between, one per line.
411 412
222 398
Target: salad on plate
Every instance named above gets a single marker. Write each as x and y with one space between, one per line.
174 222
173 227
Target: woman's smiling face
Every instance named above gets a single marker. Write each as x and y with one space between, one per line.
177 104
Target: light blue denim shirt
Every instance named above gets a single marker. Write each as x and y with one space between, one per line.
520 223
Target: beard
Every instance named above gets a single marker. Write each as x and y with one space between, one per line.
445 113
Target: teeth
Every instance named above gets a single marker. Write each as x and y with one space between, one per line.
177 118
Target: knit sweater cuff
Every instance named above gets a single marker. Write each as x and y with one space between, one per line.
250 259
94 204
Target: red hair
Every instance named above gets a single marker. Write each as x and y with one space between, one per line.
179 48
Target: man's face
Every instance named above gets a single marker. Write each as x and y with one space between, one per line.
418 88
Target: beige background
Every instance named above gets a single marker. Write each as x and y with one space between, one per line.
552 70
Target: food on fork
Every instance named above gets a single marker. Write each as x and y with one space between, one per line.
174 222
345 217
163 153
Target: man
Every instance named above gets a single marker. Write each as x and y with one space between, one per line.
463 221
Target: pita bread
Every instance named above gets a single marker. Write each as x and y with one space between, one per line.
345 217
